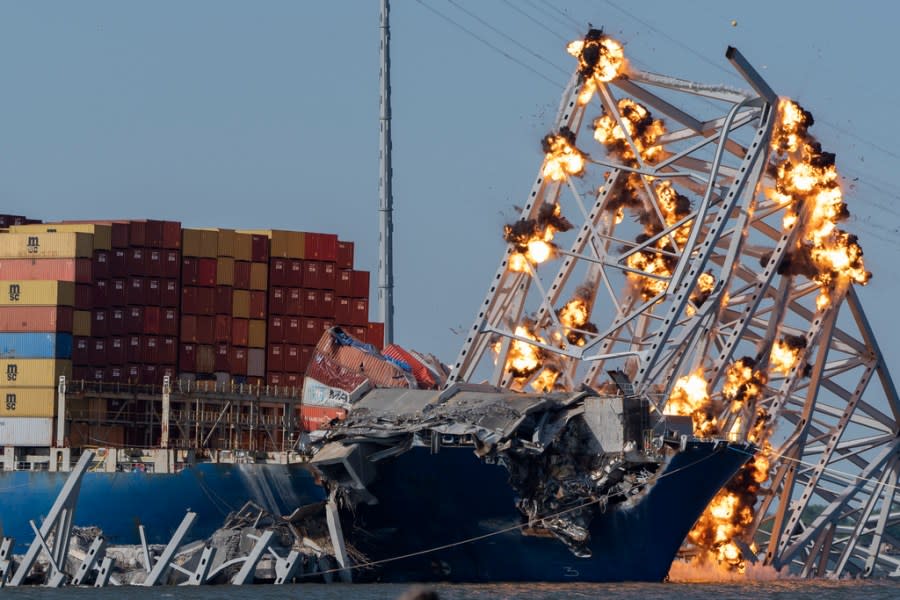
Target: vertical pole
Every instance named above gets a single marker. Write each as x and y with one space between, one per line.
61 414
385 193
164 419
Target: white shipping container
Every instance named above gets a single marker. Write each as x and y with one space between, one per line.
26 431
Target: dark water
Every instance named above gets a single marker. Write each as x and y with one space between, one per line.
782 589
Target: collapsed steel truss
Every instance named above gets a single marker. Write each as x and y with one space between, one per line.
830 503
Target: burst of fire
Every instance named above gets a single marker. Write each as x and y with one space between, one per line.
533 238
562 158
785 353
743 383
690 397
546 380
600 58
524 359
574 315
640 127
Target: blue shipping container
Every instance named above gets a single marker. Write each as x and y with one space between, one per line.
35 345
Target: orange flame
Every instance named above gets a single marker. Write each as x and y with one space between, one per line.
785 354
546 380
690 397
600 58
524 359
562 157
640 127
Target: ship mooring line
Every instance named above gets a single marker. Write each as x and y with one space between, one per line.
477 538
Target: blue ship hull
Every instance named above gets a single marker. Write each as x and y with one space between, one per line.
119 502
454 501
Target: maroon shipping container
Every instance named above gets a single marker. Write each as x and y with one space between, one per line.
306 353
358 332
240 332
259 248
187 358
134 319
117 292
81 350
152 320
118 263
137 233
360 315
328 275
118 233
276 301
344 255
343 310
170 295
79 373
275 329
115 374
133 348
311 274
98 352
136 261
133 373
241 275
134 295
84 297
150 375
189 328
275 358
375 335
278 271
257 305
190 270
238 361
292 358
153 291
206 271
343 285
156 262
171 234
99 323
312 303
97 374
310 331
359 284
206 329
327 304
172 263
295 274
168 350
292 331
294 380
294 303
223 354
321 246
224 300
168 321
223 329
150 349
198 300
117 321
101 293
116 351
277 379
100 264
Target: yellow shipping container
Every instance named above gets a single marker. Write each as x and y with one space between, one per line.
283 244
102 233
226 242
33 372
81 323
243 246
225 271
203 243
257 335
28 402
240 304
46 245
259 276
37 293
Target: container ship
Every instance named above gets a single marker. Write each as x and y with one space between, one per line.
211 367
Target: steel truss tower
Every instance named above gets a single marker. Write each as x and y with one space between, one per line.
681 262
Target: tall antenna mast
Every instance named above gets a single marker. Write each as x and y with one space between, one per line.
386 197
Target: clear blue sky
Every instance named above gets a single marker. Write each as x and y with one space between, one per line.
264 114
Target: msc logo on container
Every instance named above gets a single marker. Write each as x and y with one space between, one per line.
10 402
12 372
33 244
15 291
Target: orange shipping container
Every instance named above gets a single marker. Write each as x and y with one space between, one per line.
102 233
225 271
36 319
259 276
257 335
37 293
46 245
318 417
240 304
60 269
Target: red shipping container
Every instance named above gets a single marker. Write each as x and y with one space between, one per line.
137 233
294 380
98 352
152 320
224 300
359 284
187 358
238 361
276 301
375 335
328 275
275 330
117 292
358 332
170 295
276 379
306 354
343 285
172 266
292 331
190 270
344 255
154 232
321 246
117 321
150 375
168 324
100 264
133 373
136 261
81 350
295 274
37 319
189 328
240 332
311 274
327 305
97 374
343 310
133 348
168 350
84 297
198 300
156 263
134 319
241 275
118 232
294 303
134 295
275 358
259 248
419 371
100 293
206 271
206 329
312 303
310 331
153 292
360 315
171 234
115 350
99 323
115 374
223 328
257 305
60 269
223 356
150 349
313 418
292 358
278 271
118 262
